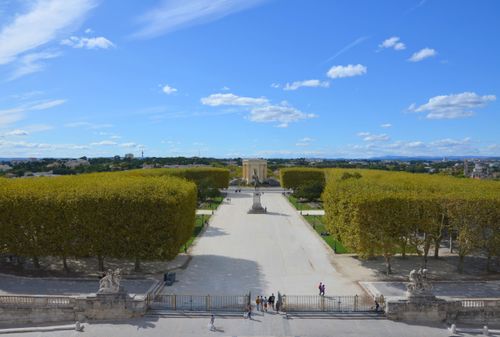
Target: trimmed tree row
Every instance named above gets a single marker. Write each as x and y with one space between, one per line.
100 215
384 213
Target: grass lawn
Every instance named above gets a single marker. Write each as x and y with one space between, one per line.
318 225
198 226
211 203
304 206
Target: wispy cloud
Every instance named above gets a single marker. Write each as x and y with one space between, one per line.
346 48
12 115
42 23
422 54
306 141
87 125
306 83
453 106
173 15
386 125
349 70
31 63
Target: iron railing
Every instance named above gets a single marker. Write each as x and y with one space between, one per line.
201 302
316 303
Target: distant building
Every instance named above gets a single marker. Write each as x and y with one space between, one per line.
480 171
253 167
129 156
4 168
73 163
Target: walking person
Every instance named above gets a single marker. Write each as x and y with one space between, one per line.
271 301
257 303
265 304
211 325
323 289
249 311
320 287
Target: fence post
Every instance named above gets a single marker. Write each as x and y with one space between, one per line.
175 302
208 302
322 302
356 302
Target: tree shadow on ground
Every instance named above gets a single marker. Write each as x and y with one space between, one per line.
443 268
214 231
218 275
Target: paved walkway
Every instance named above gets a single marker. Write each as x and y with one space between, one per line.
262 253
268 325
473 289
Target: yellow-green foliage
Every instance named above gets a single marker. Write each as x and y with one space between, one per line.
104 214
214 177
295 177
379 212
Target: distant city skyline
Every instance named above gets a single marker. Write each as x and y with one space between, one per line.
249 78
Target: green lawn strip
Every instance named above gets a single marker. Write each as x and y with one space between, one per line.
198 226
212 203
317 223
301 206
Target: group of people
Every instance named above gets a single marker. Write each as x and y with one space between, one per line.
265 303
321 288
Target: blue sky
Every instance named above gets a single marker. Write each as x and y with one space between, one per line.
249 78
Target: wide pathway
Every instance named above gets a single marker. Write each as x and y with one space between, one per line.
262 253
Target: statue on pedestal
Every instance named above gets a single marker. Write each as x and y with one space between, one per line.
419 286
110 283
256 205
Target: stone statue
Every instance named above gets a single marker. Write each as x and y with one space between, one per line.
255 179
419 284
110 283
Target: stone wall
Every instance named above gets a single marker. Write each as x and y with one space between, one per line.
480 311
43 309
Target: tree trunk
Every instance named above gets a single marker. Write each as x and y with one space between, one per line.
388 267
65 264
437 244
100 260
137 265
461 263
36 262
403 249
488 262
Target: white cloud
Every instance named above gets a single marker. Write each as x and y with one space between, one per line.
346 71
17 132
369 137
452 106
131 144
282 114
172 15
275 85
231 99
225 88
307 83
99 42
47 104
42 23
394 43
386 125
306 141
31 63
168 89
103 143
87 125
422 54
88 31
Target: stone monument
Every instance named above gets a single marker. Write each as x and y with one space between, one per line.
256 204
252 167
109 284
419 289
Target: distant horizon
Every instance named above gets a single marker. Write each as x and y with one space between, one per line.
250 78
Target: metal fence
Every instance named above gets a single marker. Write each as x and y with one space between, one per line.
201 302
316 303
